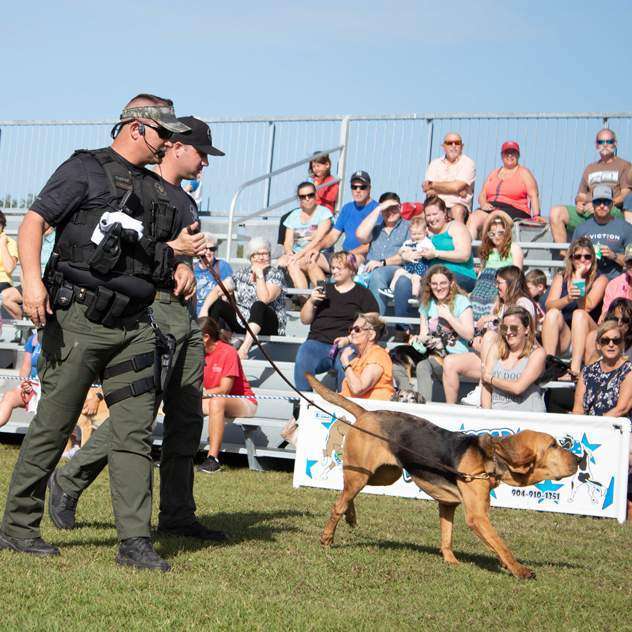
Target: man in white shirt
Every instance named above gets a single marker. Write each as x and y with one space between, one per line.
452 177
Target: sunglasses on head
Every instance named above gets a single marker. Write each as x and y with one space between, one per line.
307 196
509 329
359 187
605 341
456 143
585 256
606 141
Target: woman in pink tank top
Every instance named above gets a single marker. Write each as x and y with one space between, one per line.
511 189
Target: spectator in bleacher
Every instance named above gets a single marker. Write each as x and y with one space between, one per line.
305 228
609 170
497 250
574 304
351 216
511 373
610 235
26 395
511 188
385 231
620 310
259 294
8 255
620 286
537 284
11 297
223 375
452 243
512 291
367 367
320 174
604 388
446 326
330 311
207 291
452 177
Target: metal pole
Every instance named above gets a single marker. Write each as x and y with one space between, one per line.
342 162
429 143
266 191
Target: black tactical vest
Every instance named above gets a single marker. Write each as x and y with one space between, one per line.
147 203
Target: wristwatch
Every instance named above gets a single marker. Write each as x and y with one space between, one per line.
383 262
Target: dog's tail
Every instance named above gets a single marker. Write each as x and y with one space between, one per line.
334 398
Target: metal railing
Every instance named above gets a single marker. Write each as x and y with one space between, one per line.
394 149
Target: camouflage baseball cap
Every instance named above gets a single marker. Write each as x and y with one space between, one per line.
164 115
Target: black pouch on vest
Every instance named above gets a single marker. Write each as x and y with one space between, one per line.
63 296
99 306
114 313
108 252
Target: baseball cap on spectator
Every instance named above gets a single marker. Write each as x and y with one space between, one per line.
602 192
199 136
627 254
361 176
411 209
509 145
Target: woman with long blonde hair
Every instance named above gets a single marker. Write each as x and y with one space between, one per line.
574 304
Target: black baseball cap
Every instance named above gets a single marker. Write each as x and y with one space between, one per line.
362 176
199 136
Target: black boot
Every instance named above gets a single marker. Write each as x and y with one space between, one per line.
139 553
34 546
62 507
194 530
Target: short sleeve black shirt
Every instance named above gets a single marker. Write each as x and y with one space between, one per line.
336 313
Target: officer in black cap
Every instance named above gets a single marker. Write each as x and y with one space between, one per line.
185 158
113 219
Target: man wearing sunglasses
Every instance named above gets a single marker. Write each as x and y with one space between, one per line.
351 216
452 177
113 218
185 158
610 235
609 170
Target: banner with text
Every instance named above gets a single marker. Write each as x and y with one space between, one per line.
599 487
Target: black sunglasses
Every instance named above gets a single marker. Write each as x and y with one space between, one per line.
356 330
604 341
162 132
506 329
359 187
606 141
580 256
307 196
212 248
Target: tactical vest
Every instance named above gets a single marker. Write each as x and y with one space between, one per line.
149 257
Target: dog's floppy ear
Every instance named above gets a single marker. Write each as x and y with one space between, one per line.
487 444
516 452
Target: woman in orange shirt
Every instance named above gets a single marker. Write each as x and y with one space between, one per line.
369 375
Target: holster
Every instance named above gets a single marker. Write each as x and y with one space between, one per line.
165 352
108 252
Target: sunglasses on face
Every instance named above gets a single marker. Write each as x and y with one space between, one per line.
456 143
585 256
359 187
496 233
509 329
307 196
356 329
163 132
605 341
606 141
212 248
602 202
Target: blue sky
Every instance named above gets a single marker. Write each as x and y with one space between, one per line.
83 60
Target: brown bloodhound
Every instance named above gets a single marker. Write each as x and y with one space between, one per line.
435 459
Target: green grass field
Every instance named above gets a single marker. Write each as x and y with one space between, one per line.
274 575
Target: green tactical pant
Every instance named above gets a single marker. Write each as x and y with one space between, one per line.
74 353
182 423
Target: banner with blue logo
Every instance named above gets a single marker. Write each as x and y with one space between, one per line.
598 488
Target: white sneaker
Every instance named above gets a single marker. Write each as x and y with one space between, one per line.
386 291
473 398
414 302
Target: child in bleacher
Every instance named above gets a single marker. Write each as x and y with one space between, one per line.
538 285
414 270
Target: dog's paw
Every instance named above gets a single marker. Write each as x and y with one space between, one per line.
448 557
523 572
326 539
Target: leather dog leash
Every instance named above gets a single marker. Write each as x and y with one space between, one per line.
424 460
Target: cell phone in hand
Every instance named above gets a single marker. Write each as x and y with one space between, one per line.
320 285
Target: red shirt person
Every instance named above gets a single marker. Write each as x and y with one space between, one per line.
320 174
223 375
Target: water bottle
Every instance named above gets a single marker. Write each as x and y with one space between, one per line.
362 278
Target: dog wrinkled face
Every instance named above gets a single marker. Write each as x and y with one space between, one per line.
407 396
529 457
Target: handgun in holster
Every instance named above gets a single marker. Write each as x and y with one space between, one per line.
165 352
